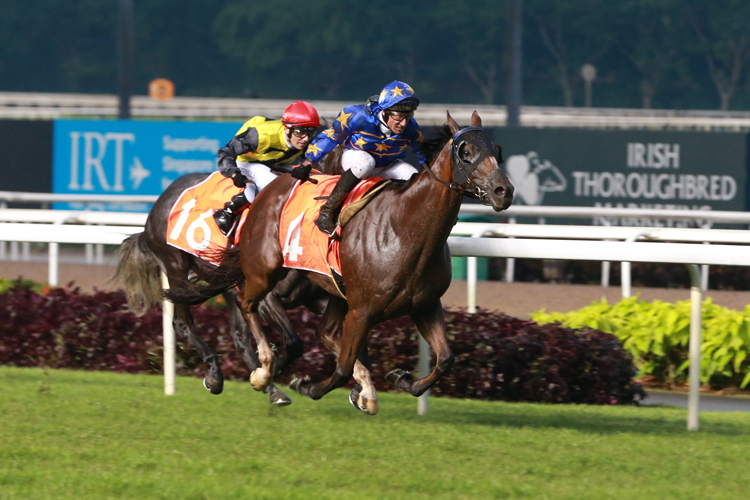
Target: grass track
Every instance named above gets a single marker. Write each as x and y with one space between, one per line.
82 435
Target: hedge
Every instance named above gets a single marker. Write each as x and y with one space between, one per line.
657 335
497 357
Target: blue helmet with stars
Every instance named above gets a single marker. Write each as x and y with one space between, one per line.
398 96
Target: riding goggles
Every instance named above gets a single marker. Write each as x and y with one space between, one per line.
304 131
401 116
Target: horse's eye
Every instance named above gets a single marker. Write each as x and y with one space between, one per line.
468 153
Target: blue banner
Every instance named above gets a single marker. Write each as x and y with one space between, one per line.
131 157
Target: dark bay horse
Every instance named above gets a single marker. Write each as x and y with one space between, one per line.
144 255
394 256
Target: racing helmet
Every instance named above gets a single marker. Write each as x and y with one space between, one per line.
300 114
398 96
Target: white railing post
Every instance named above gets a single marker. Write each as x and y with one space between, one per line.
169 341
696 303
625 275
510 262
423 402
52 265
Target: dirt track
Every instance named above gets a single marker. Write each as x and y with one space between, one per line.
514 299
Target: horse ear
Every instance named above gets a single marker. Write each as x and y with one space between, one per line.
475 120
452 124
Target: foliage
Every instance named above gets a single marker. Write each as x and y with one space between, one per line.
497 357
658 53
657 335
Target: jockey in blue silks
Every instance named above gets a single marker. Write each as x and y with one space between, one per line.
376 136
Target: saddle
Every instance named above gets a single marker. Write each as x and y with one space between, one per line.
303 245
191 226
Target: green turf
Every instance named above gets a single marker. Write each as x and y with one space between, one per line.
84 435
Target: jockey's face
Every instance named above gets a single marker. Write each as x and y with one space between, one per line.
397 121
299 139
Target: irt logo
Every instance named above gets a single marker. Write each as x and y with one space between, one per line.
91 151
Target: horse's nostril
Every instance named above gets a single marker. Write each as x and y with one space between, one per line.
500 191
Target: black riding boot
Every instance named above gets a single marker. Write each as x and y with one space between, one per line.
343 187
225 217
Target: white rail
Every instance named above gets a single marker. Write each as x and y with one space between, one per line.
50 106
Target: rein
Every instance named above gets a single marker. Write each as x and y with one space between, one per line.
477 192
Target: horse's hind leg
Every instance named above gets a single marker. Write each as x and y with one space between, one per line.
272 312
184 325
239 331
431 325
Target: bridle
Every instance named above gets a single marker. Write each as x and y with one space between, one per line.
462 169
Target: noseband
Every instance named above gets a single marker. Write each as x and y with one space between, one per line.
462 169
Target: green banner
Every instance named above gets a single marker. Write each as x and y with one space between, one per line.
630 169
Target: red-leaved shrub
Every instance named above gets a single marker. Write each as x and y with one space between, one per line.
496 357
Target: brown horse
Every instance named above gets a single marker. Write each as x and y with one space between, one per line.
394 258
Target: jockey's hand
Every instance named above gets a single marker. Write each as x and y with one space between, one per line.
302 172
239 180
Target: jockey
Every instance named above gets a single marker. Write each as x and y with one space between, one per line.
261 145
376 136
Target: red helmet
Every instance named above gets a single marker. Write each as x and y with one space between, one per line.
300 114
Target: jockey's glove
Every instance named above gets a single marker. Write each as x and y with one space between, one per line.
239 180
302 172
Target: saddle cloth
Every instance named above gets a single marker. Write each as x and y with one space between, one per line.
303 245
191 226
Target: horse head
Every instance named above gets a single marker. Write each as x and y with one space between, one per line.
476 164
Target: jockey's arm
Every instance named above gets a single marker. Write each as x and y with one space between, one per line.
327 141
239 145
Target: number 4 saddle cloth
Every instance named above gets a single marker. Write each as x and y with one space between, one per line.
304 245
191 226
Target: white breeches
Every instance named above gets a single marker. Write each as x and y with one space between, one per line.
362 164
258 175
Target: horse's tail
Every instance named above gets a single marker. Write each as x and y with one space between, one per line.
139 273
224 277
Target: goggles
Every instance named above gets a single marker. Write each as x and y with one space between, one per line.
304 131
400 116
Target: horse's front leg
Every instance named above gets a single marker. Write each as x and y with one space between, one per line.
431 325
353 335
183 324
363 396
240 335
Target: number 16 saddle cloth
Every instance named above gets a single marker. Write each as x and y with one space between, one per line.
306 247
191 226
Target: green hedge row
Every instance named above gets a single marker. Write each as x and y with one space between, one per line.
657 334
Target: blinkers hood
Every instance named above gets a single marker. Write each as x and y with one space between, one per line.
463 168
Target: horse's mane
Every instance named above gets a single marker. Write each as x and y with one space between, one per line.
431 147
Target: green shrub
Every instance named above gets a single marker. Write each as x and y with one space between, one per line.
6 284
657 336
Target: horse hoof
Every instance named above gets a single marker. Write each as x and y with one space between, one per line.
299 384
280 399
401 379
214 387
369 406
259 379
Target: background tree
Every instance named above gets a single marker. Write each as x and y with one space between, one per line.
723 32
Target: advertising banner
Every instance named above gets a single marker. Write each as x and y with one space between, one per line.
131 157
630 169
